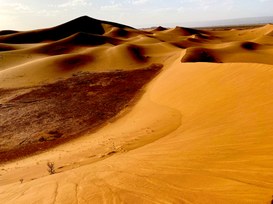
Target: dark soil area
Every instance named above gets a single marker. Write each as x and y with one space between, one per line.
33 119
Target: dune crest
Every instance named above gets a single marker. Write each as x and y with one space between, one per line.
162 115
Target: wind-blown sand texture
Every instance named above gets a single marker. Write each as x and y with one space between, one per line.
130 116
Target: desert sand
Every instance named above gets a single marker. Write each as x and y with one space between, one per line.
136 116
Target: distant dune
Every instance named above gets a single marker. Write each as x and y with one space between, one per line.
235 22
159 115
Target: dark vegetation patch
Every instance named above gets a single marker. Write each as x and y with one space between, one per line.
43 117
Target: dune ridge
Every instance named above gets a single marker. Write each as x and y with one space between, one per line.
162 115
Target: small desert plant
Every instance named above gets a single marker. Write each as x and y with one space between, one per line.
21 180
51 168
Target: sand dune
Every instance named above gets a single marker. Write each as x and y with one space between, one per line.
131 116
82 24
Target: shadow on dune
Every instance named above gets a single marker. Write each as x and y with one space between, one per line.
70 43
250 45
199 55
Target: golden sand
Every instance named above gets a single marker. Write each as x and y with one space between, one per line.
200 133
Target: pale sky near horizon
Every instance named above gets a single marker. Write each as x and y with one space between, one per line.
33 14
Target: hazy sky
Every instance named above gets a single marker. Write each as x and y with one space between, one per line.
32 14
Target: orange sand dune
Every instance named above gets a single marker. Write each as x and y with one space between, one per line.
130 116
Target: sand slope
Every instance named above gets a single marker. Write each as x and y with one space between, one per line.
201 132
